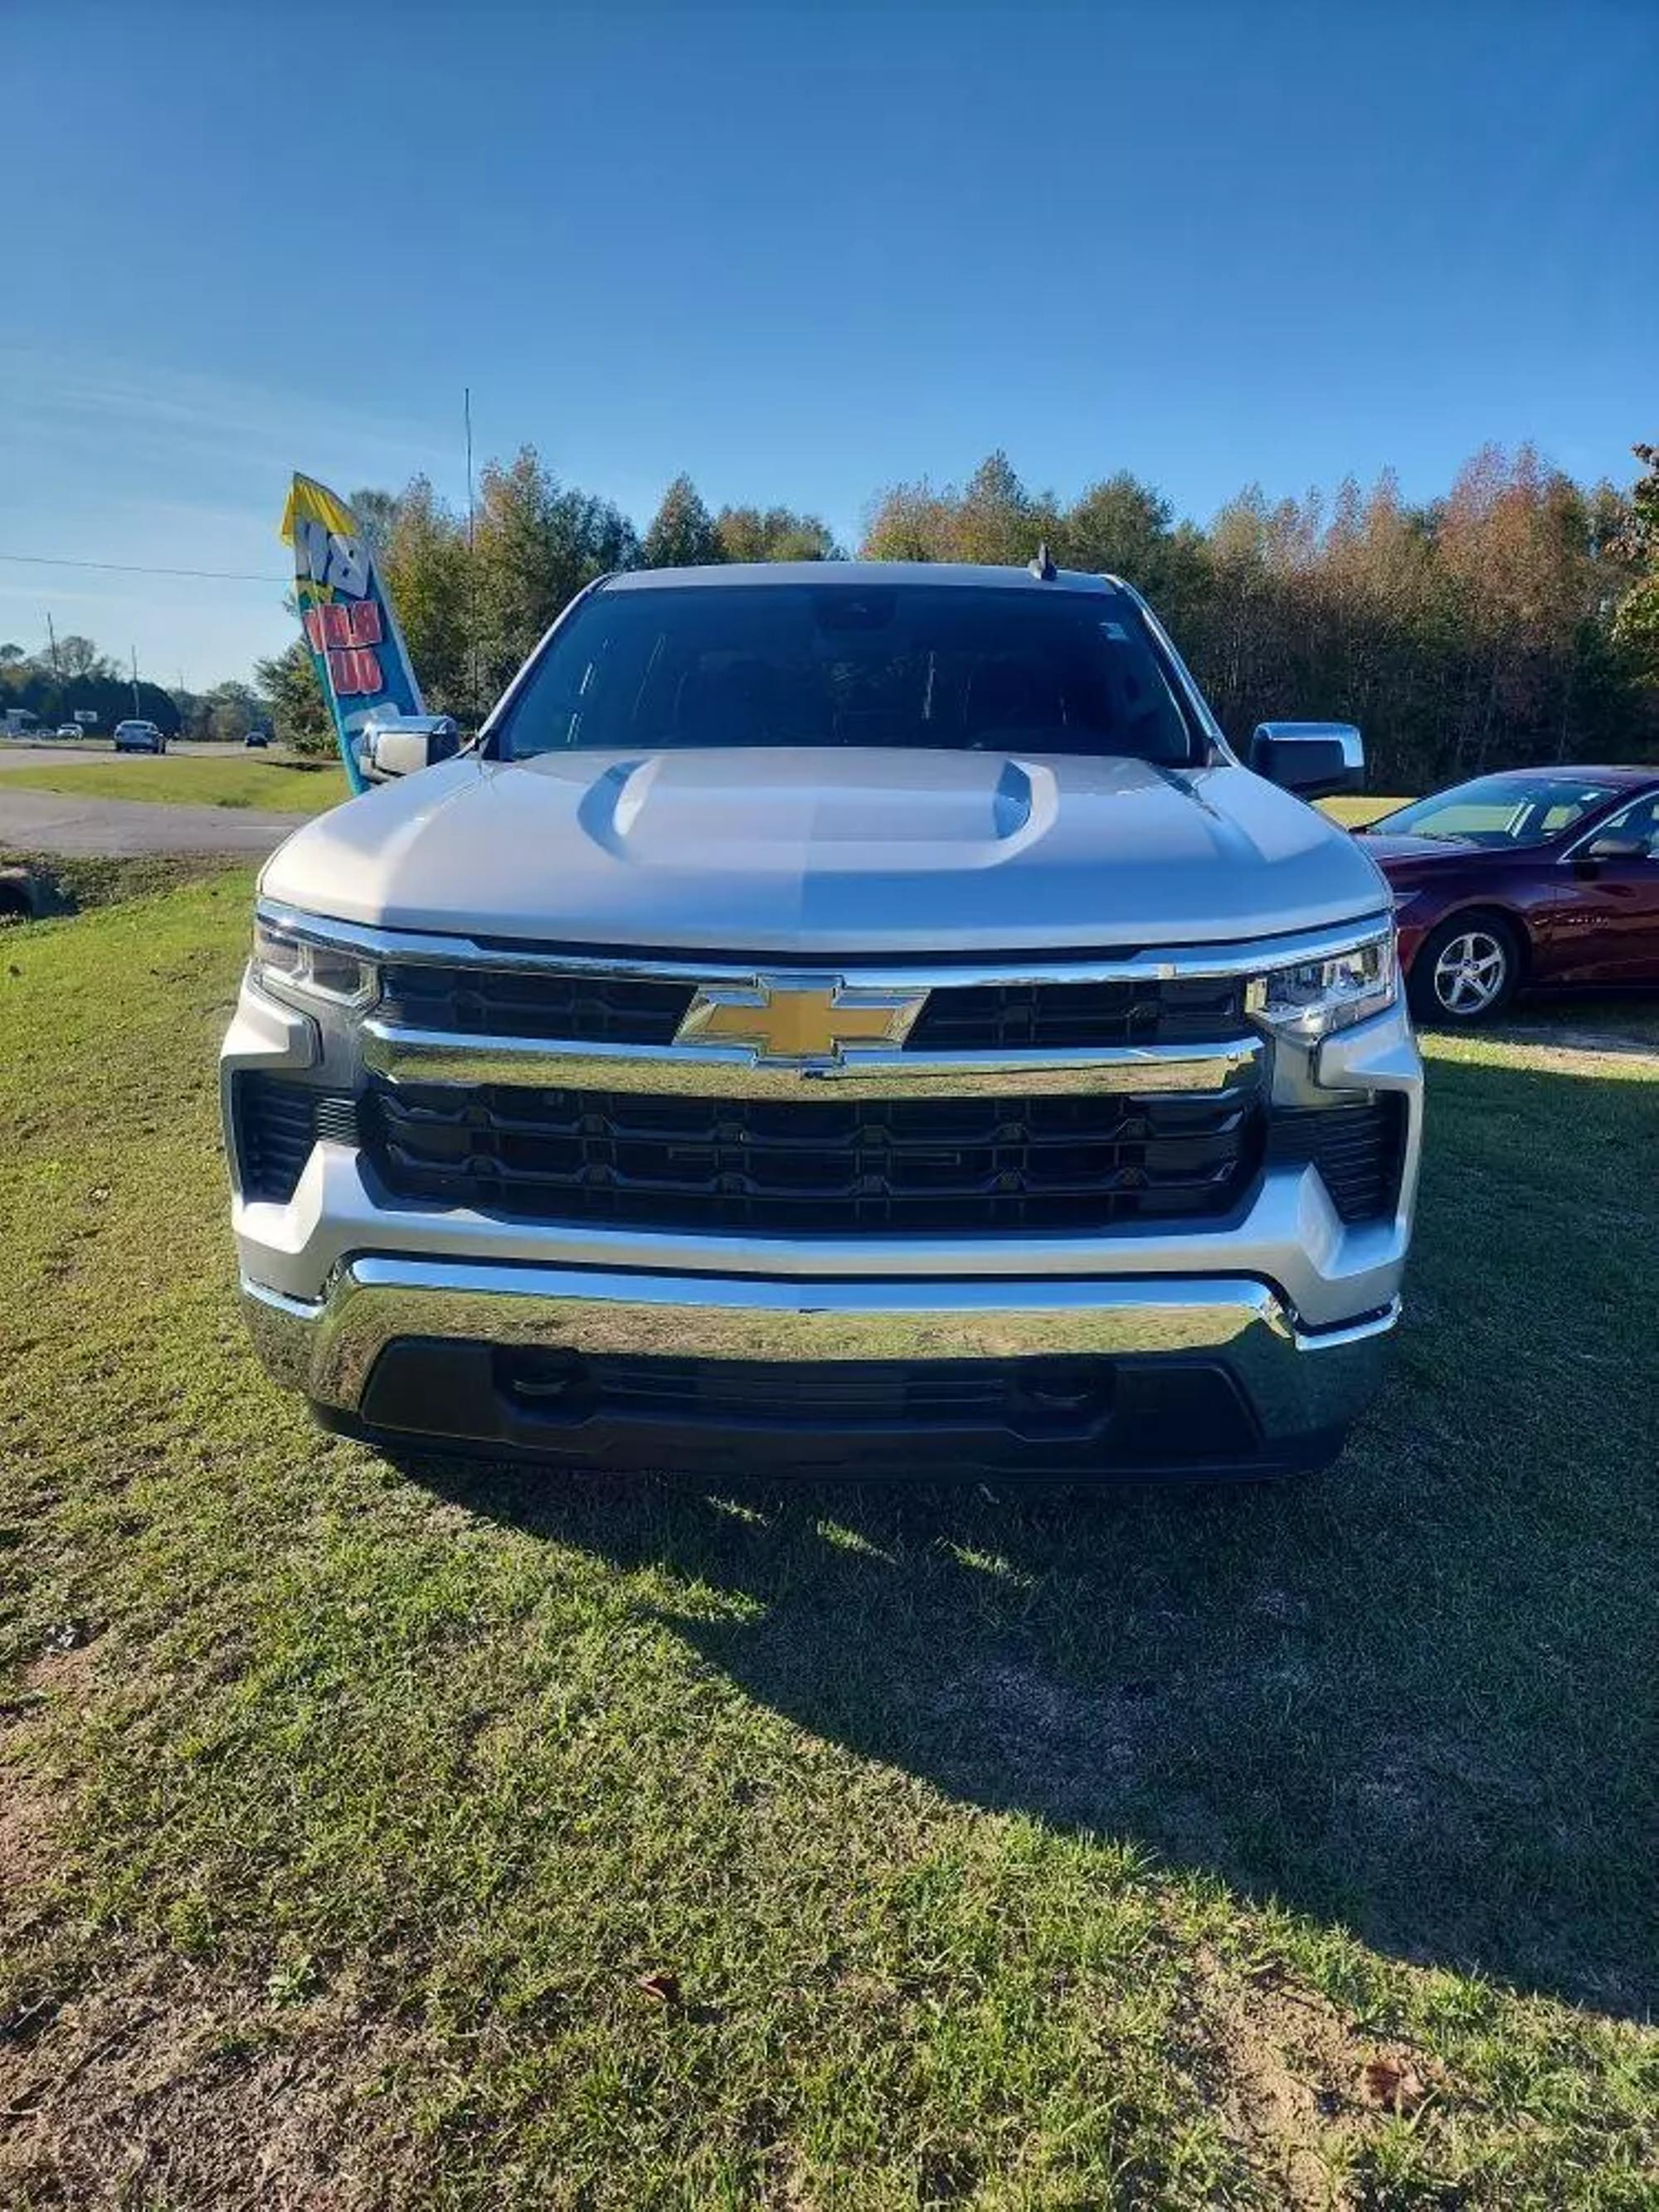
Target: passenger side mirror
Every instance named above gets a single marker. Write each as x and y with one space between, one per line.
392 745
1312 759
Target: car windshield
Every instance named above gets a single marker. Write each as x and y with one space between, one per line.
1498 811
849 663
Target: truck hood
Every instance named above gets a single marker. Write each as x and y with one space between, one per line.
811 853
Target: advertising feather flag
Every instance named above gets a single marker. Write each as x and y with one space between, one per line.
357 649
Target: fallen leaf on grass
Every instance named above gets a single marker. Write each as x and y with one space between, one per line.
662 1985
1396 2087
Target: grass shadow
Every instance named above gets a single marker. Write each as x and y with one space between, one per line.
1408 1698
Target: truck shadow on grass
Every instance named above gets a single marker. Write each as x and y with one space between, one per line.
1408 1698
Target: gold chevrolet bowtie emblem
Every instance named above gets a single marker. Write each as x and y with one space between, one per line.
801 1018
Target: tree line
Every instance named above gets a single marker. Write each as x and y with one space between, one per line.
73 676
1514 619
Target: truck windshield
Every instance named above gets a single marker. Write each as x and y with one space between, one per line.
849 663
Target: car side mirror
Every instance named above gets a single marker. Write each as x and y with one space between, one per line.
392 745
1312 759
1615 848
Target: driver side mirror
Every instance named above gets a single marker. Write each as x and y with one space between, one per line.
1312 759
392 745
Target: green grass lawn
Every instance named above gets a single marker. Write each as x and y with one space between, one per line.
279 788
1005 1850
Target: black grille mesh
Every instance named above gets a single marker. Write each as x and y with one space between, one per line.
503 1002
1012 1017
915 1165
1358 1149
276 1123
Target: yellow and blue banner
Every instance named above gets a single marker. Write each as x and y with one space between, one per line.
357 649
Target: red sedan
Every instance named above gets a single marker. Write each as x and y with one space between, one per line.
1545 876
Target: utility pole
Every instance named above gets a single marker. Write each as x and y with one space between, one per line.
51 638
471 569
136 715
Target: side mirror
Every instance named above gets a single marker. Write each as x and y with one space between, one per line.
1312 759
392 745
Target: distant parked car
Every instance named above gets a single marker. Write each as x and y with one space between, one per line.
70 730
257 737
139 738
1545 876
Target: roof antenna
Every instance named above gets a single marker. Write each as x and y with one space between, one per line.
1043 567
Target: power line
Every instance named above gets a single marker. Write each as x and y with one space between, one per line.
135 568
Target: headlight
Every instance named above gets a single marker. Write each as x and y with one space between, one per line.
294 967
1314 997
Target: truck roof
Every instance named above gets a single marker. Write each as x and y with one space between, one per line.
863 575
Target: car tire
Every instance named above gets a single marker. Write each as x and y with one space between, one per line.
1467 970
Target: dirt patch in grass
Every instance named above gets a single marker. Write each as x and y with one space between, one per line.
166 2090
25 1831
1303 2089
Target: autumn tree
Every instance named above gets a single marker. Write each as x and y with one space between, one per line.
539 542
683 534
1635 541
287 686
423 564
908 522
228 711
992 518
75 658
776 533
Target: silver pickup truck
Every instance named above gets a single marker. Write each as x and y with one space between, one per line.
853 1016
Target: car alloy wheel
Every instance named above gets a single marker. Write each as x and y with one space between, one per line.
1470 974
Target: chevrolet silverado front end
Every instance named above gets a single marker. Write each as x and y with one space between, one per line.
863 1015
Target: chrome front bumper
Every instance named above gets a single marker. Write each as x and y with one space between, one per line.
1300 1388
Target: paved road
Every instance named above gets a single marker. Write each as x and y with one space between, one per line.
52 822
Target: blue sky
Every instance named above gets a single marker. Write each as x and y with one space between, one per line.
798 250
